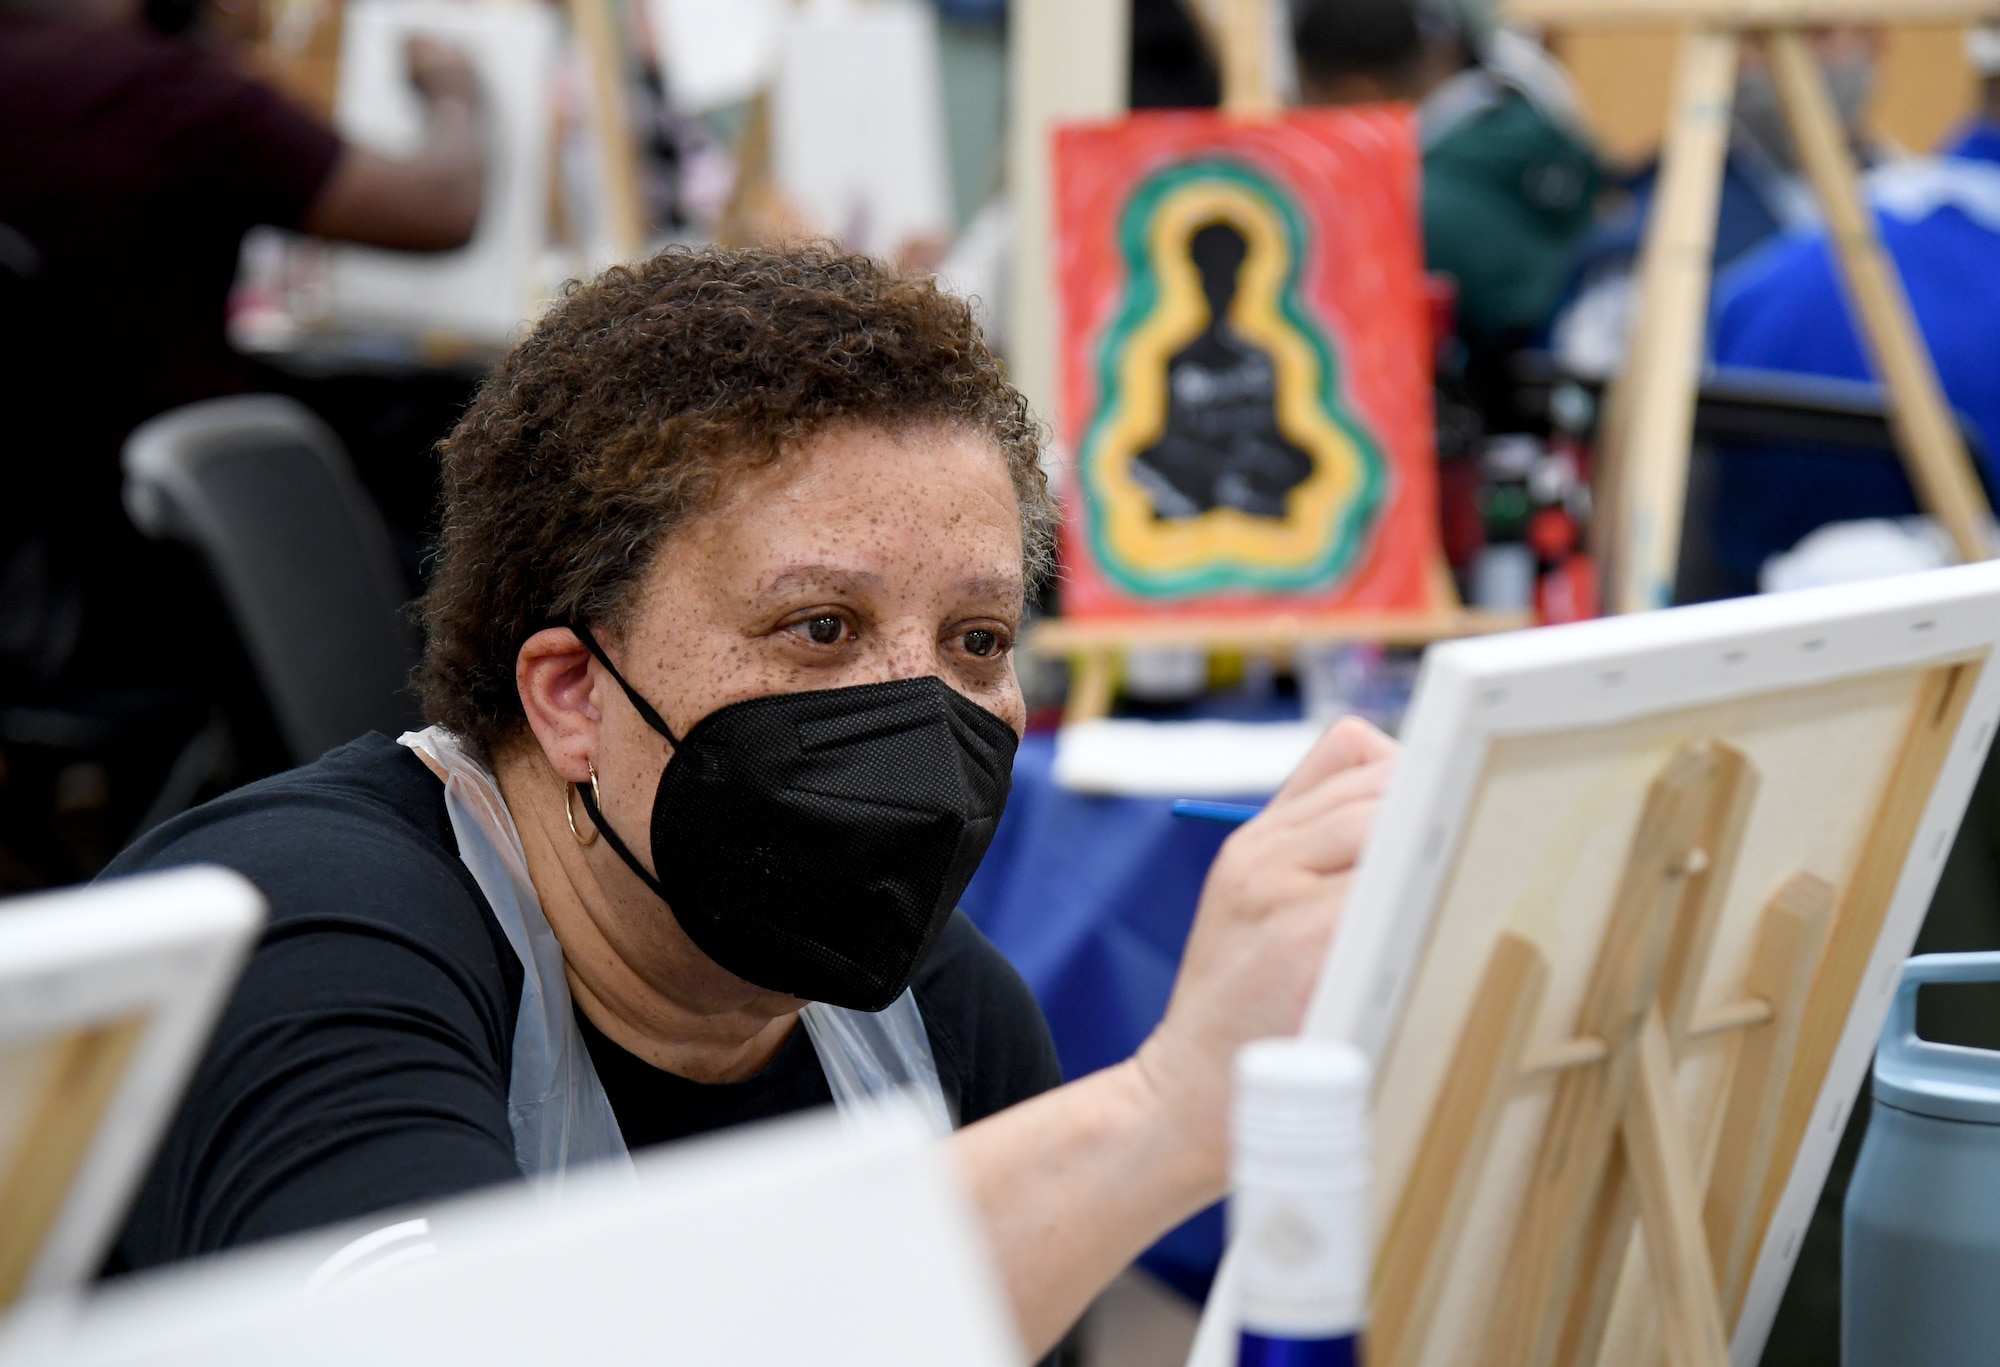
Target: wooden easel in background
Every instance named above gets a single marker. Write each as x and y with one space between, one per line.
599 34
1648 424
1616 1147
1242 38
1094 647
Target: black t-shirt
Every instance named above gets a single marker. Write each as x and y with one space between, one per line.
362 1064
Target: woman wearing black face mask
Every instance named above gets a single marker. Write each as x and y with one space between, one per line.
720 665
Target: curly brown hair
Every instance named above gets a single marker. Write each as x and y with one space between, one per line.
632 403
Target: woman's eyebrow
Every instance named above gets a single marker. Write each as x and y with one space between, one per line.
845 577
1004 587
851 577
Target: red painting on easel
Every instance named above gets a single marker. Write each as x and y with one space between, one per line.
1246 381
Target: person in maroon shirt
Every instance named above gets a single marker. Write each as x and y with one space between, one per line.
131 165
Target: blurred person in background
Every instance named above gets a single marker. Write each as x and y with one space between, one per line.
1509 177
133 163
1173 65
1784 307
1764 193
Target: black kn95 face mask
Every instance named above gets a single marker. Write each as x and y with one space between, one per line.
815 843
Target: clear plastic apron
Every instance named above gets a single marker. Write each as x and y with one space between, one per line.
555 1104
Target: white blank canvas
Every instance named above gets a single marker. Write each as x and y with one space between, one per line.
809 1240
486 289
717 52
858 124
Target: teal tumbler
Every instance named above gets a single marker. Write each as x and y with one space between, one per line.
1920 1272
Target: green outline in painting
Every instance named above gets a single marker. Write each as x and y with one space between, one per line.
1141 298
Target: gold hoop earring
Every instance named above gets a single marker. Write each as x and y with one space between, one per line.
569 807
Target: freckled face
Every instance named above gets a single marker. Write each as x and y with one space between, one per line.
864 556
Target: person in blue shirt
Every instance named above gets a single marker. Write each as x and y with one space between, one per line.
1784 308
1764 194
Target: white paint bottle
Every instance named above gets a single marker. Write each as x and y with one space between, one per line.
1299 1205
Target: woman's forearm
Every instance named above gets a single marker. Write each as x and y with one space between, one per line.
1075 1184
429 201
454 157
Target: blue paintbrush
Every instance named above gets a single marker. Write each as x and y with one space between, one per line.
1227 813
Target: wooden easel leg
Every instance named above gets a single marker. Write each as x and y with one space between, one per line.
596 25
1669 1194
1735 788
1605 1255
1699 1265
1416 1250
1246 33
1093 683
1781 970
1566 1184
1932 448
1651 416
1721 840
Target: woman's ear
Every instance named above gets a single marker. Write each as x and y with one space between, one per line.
559 695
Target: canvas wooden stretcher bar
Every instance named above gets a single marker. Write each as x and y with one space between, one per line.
107 994
1621 945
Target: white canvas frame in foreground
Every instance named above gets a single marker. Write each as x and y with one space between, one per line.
834 1241
107 994
1816 687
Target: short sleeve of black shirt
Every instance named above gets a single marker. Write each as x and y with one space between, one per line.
362 1064
113 118
133 164
263 155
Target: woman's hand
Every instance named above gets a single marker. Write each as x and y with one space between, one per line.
1268 909
1074 1184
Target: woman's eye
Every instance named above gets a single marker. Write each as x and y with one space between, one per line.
825 631
982 643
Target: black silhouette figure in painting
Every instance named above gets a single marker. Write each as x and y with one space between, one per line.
1221 447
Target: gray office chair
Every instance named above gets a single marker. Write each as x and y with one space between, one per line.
263 490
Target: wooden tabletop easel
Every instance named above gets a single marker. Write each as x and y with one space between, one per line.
597 27
1616 1147
1648 422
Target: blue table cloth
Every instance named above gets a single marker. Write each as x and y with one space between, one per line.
1092 898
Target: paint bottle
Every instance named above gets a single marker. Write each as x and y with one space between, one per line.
1298 1204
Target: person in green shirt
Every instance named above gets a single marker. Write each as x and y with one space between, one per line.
1509 175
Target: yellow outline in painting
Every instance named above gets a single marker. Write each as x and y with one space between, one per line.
1222 534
